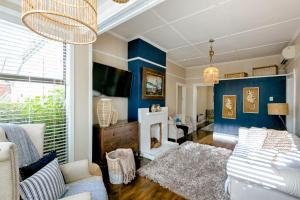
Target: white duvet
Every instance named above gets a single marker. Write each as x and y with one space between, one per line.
268 168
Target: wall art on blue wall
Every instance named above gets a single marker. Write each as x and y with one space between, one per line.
229 107
251 100
153 84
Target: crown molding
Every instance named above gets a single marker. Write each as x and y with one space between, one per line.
126 14
233 61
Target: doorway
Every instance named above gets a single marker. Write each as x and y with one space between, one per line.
203 107
180 98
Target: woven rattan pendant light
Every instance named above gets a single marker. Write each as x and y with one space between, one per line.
211 73
69 21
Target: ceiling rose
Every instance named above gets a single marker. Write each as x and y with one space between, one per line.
69 21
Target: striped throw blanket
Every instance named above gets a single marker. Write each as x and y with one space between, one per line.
26 151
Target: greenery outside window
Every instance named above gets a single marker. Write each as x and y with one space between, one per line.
33 76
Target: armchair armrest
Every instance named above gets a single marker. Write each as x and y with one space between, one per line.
9 171
79 170
95 169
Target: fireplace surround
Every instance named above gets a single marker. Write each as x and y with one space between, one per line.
159 123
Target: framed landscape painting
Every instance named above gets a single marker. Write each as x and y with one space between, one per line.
251 100
229 107
153 84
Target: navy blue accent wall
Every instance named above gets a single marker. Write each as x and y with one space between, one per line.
271 86
140 48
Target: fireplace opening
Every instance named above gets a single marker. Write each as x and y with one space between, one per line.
156 135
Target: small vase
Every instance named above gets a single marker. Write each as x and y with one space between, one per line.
114 118
104 112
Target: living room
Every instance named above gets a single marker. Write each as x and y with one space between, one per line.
156 99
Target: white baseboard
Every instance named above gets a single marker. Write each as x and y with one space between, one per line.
224 136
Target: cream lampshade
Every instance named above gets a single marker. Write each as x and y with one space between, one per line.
278 109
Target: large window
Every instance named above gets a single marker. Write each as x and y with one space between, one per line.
33 73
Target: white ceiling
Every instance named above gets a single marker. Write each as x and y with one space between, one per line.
242 28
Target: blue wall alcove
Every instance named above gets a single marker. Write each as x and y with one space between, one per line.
268 87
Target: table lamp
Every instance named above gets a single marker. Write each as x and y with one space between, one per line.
279 109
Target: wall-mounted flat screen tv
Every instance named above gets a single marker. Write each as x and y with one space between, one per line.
111 81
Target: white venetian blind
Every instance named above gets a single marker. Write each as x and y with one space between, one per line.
33 84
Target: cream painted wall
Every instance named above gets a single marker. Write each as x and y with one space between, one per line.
295 64
201 100
210 97
194 75
82 115
174 74
205 99
112 51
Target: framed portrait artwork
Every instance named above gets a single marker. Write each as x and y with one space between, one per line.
251 100
229 107
153 84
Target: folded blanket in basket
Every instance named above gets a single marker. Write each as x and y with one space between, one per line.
127 164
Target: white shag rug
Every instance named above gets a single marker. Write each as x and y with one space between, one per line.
192 170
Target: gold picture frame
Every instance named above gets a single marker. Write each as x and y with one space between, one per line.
251 100
229 107
153 84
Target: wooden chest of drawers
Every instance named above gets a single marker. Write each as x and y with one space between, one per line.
120 135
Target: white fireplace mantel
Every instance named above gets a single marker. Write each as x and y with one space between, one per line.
146 119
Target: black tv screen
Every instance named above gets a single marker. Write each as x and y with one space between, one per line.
111 81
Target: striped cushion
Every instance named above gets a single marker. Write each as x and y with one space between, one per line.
46 184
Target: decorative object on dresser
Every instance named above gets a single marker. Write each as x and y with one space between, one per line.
121 135
153 84
229 107
265 71
114 117
104 112
236 75
251 100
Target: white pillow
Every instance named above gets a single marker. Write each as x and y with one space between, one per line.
75 171
256 137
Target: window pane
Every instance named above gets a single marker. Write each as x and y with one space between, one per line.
32 84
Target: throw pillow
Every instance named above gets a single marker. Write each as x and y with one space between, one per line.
256 137
277 140
46 184
75 171
27 171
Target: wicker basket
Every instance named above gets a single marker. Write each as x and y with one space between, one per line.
114 168
236 75
104 112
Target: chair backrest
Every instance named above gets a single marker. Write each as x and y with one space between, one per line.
35 133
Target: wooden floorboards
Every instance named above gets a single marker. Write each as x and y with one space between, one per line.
145 189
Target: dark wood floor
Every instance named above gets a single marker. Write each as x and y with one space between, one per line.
144 189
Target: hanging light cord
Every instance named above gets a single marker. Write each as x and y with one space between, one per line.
211 51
